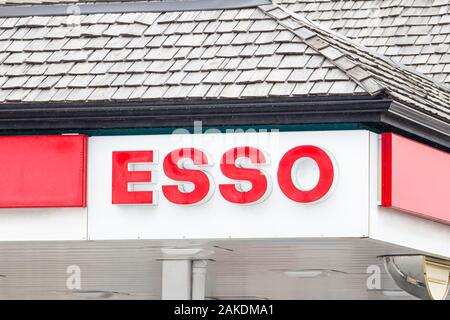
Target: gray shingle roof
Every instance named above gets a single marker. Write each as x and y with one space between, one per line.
208 54
243 53
413 32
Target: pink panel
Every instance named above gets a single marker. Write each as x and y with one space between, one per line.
415 178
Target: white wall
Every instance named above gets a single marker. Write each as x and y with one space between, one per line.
43 224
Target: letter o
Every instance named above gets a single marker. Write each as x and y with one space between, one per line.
326 171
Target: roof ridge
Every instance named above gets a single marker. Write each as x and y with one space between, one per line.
386 59
353 70
400 81
70 7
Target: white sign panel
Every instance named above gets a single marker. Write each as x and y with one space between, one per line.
229 185
43 224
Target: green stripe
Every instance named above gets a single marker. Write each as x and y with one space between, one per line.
152 131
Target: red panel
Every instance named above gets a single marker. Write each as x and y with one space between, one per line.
386 173
43 171
415 178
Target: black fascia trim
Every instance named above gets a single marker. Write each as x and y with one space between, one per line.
376 113
417 126
125 7
130 115
430 121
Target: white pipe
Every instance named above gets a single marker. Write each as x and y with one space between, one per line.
199 268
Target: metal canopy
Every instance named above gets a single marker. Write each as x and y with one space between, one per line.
256 269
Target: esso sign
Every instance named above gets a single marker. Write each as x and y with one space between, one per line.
243 164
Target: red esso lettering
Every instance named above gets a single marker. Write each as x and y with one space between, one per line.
260 183
122 176
285 179
241 164
176 168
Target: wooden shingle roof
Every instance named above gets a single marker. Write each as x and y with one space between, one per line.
263 51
